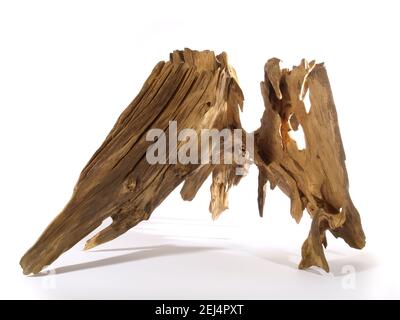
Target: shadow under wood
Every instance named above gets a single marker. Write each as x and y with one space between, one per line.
142 254
359 263
339 267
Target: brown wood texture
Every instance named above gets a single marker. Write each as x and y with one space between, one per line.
314 178
199 90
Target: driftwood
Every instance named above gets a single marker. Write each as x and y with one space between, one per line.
314 178
200 91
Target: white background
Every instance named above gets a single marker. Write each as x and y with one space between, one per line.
69 68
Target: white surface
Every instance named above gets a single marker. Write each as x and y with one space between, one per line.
67 70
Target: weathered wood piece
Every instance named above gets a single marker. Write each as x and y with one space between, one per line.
196 89
315 178
199 91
